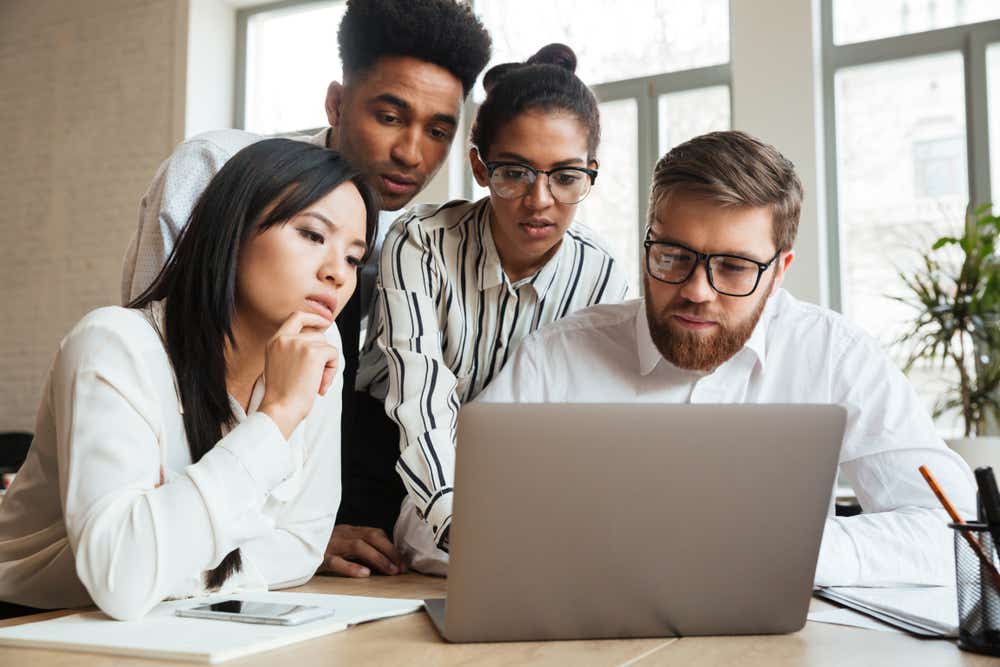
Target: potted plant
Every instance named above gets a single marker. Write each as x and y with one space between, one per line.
956 293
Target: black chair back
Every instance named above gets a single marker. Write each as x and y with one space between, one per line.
13 450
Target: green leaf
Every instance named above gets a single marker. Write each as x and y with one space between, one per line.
943 241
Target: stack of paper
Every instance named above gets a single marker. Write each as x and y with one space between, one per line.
931 611
161 634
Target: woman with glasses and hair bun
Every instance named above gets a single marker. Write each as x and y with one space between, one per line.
462 283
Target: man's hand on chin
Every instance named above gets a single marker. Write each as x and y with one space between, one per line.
354 551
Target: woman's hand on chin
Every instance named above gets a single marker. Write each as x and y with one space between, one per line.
298 364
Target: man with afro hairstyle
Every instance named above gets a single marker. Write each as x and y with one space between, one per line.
407 67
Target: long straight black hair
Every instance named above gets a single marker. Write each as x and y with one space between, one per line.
265 184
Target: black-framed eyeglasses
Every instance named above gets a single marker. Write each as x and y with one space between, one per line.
513 180
731 275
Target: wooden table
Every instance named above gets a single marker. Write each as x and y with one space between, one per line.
412 640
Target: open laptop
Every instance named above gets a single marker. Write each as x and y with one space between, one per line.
596 521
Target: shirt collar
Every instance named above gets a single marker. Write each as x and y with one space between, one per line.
649 354
757 343
491 273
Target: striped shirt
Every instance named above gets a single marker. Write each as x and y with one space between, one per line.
445 320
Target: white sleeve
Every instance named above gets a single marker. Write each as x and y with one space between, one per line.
164 211
903 536
289 554
133 538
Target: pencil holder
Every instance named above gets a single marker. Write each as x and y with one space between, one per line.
978 593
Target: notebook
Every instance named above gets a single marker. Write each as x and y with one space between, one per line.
929 611
161 634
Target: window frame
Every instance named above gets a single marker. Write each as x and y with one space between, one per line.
971 40
243 17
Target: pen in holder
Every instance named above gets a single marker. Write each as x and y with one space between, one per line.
978 593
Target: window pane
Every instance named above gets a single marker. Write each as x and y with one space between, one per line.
902 182
993 88
687 114
612 208
861 20
291 57
651 37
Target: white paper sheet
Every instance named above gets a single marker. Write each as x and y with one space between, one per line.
852 619
161 634
927 610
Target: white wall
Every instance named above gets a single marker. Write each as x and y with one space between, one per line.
211 62
776 88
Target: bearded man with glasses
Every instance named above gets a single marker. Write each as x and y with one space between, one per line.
716 327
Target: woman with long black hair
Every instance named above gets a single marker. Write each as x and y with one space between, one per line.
191 441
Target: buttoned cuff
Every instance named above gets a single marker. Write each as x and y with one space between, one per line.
839 563
437 514
259 446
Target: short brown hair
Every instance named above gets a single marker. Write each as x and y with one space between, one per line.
733 169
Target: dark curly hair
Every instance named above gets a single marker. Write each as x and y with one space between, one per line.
443 32
545 81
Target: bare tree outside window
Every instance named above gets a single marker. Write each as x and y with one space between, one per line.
613 40
862 20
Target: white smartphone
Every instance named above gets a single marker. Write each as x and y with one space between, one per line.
269 613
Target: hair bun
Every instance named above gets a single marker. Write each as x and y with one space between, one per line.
555 54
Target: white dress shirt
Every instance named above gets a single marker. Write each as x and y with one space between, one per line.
87 519
445 320
798 353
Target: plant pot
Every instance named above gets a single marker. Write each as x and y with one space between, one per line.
979 451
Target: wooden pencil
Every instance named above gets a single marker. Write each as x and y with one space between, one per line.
955 517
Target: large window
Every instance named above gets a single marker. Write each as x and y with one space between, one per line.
909 146
289 55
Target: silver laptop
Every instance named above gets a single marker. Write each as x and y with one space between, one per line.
597 521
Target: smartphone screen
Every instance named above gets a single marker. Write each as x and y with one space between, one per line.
268 609
257 612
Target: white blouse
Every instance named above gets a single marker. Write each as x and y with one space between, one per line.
108 507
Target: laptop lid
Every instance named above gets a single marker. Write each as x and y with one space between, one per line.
586 521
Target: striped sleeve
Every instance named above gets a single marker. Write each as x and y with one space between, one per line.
421 396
